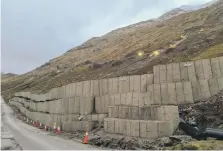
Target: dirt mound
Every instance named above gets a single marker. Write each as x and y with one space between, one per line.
205 114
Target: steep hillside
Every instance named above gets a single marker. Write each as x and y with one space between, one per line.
188 36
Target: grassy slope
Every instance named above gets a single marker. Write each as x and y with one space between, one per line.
121 47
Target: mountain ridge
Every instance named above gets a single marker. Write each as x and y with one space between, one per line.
115 53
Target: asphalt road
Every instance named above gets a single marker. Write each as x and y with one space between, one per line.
31 138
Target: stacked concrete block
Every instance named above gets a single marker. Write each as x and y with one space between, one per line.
135 83
138 128
216 69
213 86
80 89
169 93
207 68
96 88
221 64
78 126
65 105
124 84
220 83
76 105
86 105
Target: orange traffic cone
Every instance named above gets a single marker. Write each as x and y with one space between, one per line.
85 141
58 130
45 128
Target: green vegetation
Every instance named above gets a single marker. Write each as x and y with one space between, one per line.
211 52
200 145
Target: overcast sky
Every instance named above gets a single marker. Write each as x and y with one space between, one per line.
35 31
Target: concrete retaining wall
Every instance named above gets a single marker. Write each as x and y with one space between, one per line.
138 128
189 71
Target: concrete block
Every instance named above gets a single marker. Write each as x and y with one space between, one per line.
129 99
80 88
157 94
111 125
164 93
156 73
117 126
88 105
172 96
196 90
180 93
135 99
213 85
145 113
207 68
111 100
221 64
128 128
65 105
101 117
96 86
169 73
183 72
115 85
102 105
142 125
148 129
150 93
73 90
110 111
199 69
115 112
89 117
94 117
188 94
101 86
124 84
122 127
106 124
110 84
86 88
76 104
91 88
164 129
98 104
134 112
71 106
123 98
125 112
117 99
137 83
106 103
163 73
134 128
220 83
105 86
144 82
142 99
204 88
216 69
176 72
